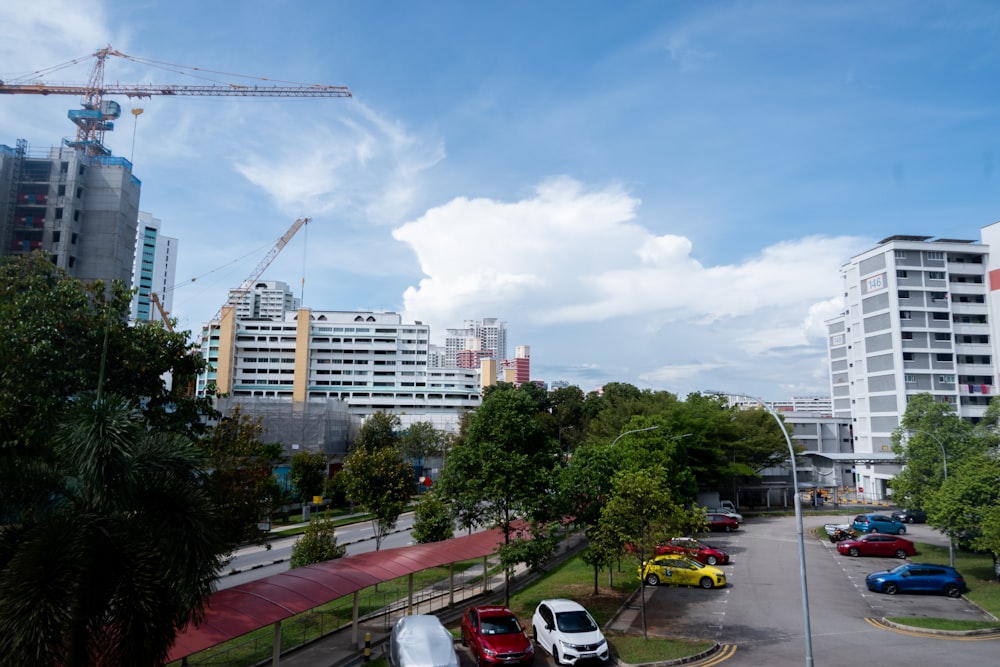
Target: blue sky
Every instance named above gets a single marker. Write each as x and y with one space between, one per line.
659 193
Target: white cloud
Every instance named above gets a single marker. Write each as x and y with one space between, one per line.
354 160
570 256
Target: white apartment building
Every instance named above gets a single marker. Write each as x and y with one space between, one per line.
154 269
488 336
372 361
263 300
915 320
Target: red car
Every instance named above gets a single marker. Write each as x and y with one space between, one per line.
496 637
722 522
877 544
692 548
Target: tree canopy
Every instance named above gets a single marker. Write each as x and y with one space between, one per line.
62 336
108 548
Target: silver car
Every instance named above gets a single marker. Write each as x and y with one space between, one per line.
421 641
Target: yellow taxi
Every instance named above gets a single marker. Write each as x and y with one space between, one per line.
677 570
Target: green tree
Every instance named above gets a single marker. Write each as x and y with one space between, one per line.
380 429
421 440
241 479
108 548
308 473
641 513
62 336
965 505
381 482
927 428
432 520
503 469
318 544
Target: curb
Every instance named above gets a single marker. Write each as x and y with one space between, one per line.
985 632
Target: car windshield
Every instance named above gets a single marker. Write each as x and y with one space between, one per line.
898 569
575 621
500 625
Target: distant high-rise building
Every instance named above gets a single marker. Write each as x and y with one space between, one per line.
487 336
372 361
916 320
518 370
263 300
81 210
154 269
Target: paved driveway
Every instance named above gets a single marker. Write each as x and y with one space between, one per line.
760 609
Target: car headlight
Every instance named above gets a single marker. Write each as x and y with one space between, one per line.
488 651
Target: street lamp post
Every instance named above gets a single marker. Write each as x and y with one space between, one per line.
944 465
798 521
635 430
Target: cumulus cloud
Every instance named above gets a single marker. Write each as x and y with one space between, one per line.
568 255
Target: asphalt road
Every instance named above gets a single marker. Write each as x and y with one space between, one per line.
760 609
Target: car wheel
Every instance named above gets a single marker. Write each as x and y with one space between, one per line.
900 553
706 582
555 655
890 588
729 529
902 530
464 643
480 661
952 590
909 519
854 551
534 635
652 580
873 529
711 560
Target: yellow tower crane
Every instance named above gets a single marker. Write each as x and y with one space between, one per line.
98 115
225 320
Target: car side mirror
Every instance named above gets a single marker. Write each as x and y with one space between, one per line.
548 626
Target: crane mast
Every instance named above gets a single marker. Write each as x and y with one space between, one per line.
237 295
98 115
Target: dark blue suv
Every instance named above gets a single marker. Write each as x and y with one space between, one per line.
917 578
878 523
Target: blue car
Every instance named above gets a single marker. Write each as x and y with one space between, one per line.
917 578
878 523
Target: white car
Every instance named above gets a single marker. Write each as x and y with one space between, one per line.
567 631
421 641
727 512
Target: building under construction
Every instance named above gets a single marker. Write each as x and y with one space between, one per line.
79 209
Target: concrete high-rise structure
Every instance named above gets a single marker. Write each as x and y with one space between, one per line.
518 370
154 269
372 361
488 337
81 210
263 300
915 320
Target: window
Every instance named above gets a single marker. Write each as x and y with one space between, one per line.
904 294
909 379
900 254
935 255
900 273
948 379
904 314
935 275
940 316
939 296
906 335
908 356
943 357
942 336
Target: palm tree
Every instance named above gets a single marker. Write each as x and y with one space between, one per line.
108 546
